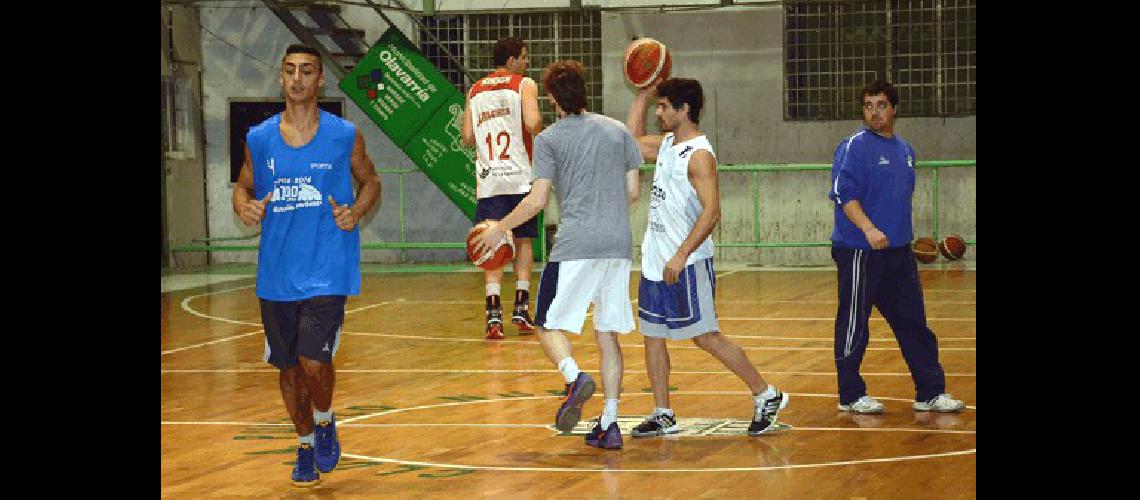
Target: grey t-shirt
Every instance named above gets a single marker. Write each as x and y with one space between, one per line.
586 157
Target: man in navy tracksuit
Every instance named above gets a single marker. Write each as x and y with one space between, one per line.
872 181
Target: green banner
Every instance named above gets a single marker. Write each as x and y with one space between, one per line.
422 113
419 110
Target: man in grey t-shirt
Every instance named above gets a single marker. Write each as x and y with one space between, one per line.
592 161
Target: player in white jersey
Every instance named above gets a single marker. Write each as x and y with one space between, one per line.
500 121
675 295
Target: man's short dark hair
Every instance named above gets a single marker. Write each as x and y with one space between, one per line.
881 87
564 81
680 91
300 48
507 48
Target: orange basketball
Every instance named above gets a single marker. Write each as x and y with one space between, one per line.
502 253
953 247
645 61
924 250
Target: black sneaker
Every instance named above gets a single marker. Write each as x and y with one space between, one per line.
656 425
521 314
764 418
494 318
494 325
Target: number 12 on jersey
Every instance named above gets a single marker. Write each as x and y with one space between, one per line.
499 142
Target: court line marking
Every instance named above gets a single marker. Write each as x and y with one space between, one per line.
348 422
832 319
629 346
569 469
185 306
532 370
340 425
971 451
830 339
718 301
212 342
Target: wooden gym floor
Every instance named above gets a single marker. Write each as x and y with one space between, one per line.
427 408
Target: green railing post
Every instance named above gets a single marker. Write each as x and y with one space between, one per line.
403 252
540 255
756 207
934 183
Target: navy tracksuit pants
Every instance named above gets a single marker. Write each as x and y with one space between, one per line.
888 280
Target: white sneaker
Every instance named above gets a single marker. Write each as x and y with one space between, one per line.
943 403
865 404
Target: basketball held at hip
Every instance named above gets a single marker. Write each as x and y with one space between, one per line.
494 258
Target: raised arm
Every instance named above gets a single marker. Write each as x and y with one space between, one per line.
635 122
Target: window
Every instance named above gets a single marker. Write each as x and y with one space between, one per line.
926 48
549 36
178 117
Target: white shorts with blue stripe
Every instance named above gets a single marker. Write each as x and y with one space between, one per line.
682 310
567 288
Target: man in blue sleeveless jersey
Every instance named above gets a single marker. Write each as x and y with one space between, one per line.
872 182
296 181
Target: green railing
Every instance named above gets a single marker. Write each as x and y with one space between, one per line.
755 169
402 245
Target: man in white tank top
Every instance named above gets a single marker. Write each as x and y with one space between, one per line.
500 121
675 295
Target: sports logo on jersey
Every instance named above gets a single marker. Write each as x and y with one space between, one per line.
685 151
656 196
270 165
320 166
293 193
883 160
909 161
484 173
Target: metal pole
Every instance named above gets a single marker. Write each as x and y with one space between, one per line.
934 184
403 254
756 207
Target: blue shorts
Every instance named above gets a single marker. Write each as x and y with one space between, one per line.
309 328
498 207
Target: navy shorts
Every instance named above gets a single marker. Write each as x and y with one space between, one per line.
309 328
498 207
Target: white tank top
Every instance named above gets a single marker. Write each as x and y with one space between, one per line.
673 208
502 144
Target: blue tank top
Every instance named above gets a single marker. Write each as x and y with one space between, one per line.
303 253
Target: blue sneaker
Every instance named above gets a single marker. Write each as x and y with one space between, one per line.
305 472
328 446
609 439
577 393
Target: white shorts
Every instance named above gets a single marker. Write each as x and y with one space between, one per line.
682 310
567 288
